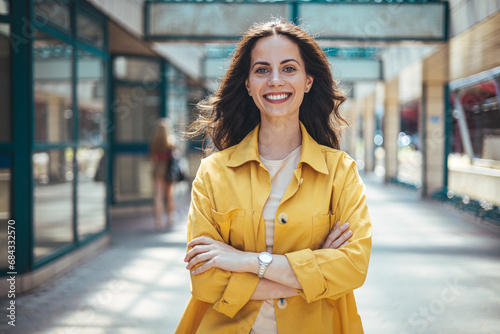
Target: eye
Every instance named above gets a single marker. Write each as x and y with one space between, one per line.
289 69
261 70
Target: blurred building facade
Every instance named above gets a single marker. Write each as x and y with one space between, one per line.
80 93
82 83
433 122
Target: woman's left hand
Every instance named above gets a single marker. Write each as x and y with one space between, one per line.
338 237
215 254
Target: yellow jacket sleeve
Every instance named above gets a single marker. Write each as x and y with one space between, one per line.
331 273
227 291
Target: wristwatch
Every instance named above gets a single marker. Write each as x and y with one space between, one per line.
265 260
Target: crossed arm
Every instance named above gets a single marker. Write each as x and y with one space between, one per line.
279 280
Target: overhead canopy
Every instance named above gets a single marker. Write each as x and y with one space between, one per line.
328 19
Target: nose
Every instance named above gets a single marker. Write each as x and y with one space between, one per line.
275 79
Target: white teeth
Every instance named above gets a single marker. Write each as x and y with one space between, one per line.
277 97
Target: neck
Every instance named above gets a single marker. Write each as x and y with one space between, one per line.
278 139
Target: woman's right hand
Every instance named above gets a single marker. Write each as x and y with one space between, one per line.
338 237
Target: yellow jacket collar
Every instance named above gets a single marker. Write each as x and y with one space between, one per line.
248 150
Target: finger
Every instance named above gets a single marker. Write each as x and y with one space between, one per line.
345 243
341 240
200 259
195 251
334 235
201 269
331 237
200 241
344 227
336 226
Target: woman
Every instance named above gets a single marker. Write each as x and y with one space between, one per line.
161 153
267 229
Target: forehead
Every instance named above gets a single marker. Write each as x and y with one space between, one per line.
275 47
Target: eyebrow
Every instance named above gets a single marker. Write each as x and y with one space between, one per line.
267 64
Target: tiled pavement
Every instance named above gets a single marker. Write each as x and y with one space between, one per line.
433 270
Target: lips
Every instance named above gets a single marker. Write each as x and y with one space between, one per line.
277 97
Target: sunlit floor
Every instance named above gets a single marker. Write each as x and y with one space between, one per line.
432 270
138 285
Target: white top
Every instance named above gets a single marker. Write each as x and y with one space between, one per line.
281 172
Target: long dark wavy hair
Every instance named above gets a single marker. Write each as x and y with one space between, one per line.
227 117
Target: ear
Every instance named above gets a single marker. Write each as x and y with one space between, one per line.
247 85
309 82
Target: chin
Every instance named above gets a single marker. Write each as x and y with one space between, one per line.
279 114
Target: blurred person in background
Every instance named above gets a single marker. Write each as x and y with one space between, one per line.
162 148
279 234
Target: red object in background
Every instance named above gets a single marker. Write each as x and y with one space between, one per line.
476 95
409 117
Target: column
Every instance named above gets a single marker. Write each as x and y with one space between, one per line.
435 77
391 128
434 137
369 132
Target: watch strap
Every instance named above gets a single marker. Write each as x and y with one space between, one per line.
262 269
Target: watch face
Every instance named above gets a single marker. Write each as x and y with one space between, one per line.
265 257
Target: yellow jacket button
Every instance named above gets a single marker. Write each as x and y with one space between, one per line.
283 218
282 304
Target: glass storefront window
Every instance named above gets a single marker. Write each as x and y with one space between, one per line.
53 94
177 96
90 30
136 112
91 191
409 153
474 159
5 92
476 121
5 164
91 99
132 177
137 70
53 199
53 12
4 7
5 215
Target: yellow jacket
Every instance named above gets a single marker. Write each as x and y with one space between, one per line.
229 193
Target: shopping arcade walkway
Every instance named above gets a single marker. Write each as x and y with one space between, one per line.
432 270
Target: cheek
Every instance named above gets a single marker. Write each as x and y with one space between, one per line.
257 102
247 84
300 99
254 83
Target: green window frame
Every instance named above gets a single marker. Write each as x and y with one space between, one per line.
24 146
7 147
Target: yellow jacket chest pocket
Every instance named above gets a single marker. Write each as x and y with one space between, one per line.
230 226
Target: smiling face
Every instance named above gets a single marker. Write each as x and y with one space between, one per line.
277 79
